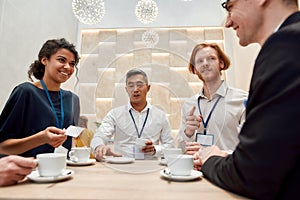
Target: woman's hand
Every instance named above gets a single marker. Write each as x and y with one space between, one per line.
54 136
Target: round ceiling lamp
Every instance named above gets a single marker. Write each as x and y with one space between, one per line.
150 38
146 11
88 11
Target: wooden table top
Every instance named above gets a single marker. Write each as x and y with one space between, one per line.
138 180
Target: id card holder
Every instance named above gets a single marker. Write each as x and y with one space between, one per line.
205 140
138 154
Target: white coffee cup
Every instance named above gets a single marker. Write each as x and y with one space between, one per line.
171 151
80 154
141 142
180 165
51 164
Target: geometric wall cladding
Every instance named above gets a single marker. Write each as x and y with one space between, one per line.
107 54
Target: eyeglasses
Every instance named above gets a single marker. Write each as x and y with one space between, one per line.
225 4
138 85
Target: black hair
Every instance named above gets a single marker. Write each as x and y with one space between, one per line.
136 71
37 68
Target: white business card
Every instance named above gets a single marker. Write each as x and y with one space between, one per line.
74 131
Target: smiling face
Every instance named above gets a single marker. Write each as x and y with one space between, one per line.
208 64
59 67
137 89
245 17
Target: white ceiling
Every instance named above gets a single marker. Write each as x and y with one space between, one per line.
120 13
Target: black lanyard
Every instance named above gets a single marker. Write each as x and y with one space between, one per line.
137 131
205 123
59 125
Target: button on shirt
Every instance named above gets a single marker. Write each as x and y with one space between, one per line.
226 120
119 124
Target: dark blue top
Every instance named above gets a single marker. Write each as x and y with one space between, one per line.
28 112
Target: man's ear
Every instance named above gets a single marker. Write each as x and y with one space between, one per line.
222 65
148 88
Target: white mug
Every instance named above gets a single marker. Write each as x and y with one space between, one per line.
79 154
51 164
180 165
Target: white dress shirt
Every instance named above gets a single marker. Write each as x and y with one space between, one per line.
119 124
226 119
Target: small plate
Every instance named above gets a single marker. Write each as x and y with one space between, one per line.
194 175
119 160
89 162
35 177
163 161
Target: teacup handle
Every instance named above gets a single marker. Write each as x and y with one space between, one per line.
73 157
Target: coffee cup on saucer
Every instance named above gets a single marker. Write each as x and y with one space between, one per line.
180 165
79 154
51 164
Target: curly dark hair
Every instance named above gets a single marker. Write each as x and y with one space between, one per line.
37 68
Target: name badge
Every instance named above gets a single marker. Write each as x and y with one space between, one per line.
138 154
205 140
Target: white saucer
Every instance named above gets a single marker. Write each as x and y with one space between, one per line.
194 175
35 177
163 161
89 162
119 160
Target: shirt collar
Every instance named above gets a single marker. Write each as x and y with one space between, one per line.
221 91
129 106
277 28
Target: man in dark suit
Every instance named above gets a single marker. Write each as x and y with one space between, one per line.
266 162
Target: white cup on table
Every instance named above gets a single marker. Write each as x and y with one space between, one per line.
51 164
180 165
80 154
